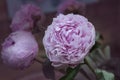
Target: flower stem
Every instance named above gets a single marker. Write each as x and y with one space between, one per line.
91 68
84 73
38 60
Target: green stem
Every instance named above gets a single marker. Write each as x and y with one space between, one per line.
38 60
91 68
84 73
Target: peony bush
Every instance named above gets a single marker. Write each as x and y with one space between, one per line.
67 41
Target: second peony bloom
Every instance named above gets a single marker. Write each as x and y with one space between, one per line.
19 49
68 40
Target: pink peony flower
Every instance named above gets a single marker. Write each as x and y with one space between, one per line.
68 39
19 49
71 6
26 18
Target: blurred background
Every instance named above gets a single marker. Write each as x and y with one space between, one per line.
104 14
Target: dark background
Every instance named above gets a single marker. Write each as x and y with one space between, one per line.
105 15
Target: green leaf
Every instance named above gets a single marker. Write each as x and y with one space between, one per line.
91 61
104 75
97 45
101 54
71 73
107 52
98 40
98 36
97 56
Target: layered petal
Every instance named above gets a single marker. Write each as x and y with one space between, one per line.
68 39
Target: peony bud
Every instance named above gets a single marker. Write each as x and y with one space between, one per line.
19 49
68 39
26 18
